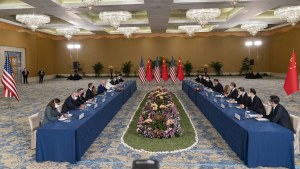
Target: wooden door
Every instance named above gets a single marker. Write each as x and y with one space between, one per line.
14 66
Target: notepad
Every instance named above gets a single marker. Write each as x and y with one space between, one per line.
253 115
262 119
62 119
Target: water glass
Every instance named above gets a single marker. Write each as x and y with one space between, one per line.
247 112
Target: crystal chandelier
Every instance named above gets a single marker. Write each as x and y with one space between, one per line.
115 18
90 3
33 21
128 31
203 16
68 32
233 2
253 28
190 29
291 14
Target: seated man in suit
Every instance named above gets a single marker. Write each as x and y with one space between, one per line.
255 103
233 91
109 85
71 103
80 99
218 86
242 97
279 114
89 92
208 83
101 87
198 78
120 78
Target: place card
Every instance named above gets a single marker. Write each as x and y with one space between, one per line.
223 106
237 116
81 116
215 100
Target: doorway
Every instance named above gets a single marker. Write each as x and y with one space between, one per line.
15 61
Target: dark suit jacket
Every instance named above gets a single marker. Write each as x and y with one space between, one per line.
256 105
101 89
69 104
80 100
233 94
281 116
243 100
218 88
121 80
198 79
89 94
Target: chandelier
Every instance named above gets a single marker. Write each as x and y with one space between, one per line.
253 28
115 18
233 2
291 14
68 32
90 3
128 31
190 29
203 16
33 21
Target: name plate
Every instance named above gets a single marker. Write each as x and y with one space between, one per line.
215 100
223 106
237 116
81 116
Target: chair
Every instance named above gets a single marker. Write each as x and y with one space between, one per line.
268 108
34 122
296 125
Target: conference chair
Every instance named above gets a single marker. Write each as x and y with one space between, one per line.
268 108
296 125
34 122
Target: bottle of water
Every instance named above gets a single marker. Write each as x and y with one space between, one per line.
247 112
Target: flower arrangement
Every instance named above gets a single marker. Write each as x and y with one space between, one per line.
159 118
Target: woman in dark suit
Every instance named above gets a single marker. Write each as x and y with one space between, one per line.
51 111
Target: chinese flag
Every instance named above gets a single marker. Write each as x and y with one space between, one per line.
180 74
291 84
149 75
164 71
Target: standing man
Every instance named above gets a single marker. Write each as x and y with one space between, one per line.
41 75
25 74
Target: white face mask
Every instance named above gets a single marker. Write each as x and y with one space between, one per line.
75 97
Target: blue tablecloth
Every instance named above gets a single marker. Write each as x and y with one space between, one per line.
256 143
68 141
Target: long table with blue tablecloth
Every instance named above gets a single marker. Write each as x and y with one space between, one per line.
68 141
256 143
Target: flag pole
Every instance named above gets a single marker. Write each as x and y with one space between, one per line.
9 103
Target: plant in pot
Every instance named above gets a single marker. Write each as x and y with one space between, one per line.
217 66
188 67
98 67
126 68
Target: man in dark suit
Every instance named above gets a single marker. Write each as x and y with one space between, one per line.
233 91
218 86
89 92
198 78
255 103
25 74
120 78
242 98
279 114
101 87
80 99
71 103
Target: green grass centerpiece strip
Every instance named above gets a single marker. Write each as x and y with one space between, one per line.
166 134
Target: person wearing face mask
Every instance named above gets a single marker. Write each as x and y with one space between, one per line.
278 114
217 86
51 111
233 91
109 85
101 87
254 103
89 92
209 83
242 98
71 103
198 78
120 78
81 99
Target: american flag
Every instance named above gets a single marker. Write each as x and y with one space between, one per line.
157 71
142 71
172 70
10 88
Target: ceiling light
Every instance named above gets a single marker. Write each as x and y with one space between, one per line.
190 29
115 18
233 2
257 43
68 32
249 43
33 21
253 28
90 3
290 14
203 16
128 31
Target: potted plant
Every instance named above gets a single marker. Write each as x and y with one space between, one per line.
188 67
245 66
217 66
98 67
126 68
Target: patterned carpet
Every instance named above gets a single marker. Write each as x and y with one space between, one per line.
106 151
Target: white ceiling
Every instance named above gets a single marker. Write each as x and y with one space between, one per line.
152 16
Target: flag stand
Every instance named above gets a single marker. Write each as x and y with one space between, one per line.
292 99
9 103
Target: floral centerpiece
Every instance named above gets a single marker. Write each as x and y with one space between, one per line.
159 118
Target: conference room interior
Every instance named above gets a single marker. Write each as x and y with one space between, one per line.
221 40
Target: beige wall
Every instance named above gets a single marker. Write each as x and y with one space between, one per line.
54 57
